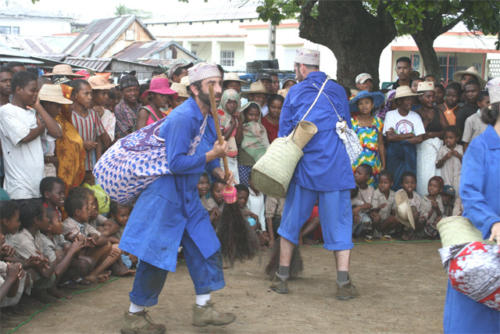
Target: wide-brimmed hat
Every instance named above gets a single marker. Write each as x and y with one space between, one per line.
53 93
177 65
99 82
63 70
425 86
180 89
457 230
160 86
256 87
404 91
378 99
286 80
470 71
232 76
404 213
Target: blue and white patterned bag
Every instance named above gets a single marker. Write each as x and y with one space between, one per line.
135 161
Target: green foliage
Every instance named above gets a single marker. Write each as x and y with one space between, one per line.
124 10
278 10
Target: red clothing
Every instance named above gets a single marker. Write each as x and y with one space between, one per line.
272 129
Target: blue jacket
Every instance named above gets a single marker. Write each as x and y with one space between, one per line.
325 165
479 188
170 206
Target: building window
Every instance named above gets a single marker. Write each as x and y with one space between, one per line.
130 34
9 30
227 58
415 62
448 67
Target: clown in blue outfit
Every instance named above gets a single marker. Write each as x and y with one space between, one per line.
323 175
169 213
479 186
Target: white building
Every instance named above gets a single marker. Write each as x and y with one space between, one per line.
16 20
233 35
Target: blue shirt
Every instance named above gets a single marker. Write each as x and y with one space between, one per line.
479 187
170 206
325 165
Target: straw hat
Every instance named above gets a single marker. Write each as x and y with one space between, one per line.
470 71
425 86
378 99
404 214
62 69
185 81
256 87
99 82
232 76
457 230
53 93
180 89
404 91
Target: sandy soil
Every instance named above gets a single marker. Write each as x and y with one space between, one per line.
402 287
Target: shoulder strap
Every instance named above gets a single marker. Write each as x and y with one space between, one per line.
316 99
328 98
152 113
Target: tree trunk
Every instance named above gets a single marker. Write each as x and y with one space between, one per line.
429 56
356 37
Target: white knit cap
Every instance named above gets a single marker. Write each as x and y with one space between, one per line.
202 71
307 57
493 87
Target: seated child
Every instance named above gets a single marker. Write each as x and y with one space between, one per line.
383 213
431 209
113 229
215 203
53 192
256 205
203 190
31 249
274 210
361 202
409 184
451 203
95 218
243 193
58 251
97 247
449 157
311 225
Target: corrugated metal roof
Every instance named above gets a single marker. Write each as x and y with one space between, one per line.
31 45
99 35
141 51
95 64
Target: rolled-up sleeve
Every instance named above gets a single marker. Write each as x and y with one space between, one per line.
473 188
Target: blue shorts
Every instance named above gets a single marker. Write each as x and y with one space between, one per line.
335 215
207 275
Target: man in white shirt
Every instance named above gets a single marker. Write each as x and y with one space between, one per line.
403 129
20 131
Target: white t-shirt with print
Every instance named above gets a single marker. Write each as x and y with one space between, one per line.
411 123
23 161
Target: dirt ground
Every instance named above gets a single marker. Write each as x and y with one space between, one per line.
402 287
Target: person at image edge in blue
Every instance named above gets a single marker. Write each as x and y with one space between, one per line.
323 175
479 186
169 212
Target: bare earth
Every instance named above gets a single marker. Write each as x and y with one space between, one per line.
402 288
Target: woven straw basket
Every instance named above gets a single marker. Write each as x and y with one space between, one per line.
274 170
457 230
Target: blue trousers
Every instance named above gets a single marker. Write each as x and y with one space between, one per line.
335 215
401 157
207 275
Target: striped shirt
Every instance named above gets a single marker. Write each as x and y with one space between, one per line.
89 127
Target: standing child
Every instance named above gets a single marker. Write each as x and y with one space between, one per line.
369 128
256 205
474 126
203 190
383 212
432 209
21 128
52 99
274 210
272 120
160 97
229 122
449 157
215 203
253 141
87 123
100 100
361 202
450 106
